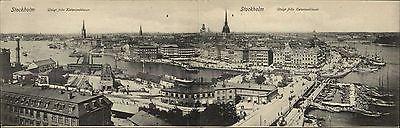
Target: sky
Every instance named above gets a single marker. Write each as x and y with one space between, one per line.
121 16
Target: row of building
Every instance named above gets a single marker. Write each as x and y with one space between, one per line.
287 56
194 94
164 51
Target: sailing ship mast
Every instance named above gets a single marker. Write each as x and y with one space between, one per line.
387 79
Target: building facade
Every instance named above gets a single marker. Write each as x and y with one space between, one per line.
146 51
299 57
5 66
229 92
188 94
40 106
260 56
232 55
175 51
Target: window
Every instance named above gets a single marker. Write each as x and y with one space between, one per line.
66 120
71 108
9 108
56 105
61 107
37 113
60 119
37 123
47 105
38 103
31 113
54 118
87 107
21 121
73 122
21 111
44 116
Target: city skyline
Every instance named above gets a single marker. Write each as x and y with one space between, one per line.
182 17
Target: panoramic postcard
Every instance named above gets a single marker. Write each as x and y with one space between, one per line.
237 63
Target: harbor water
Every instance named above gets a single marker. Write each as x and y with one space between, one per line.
38 50
390 76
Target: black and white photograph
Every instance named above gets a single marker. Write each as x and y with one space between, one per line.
199 63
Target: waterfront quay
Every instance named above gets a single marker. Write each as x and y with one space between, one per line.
280 106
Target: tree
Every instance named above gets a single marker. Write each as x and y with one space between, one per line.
260 79
193 118
237 99
219 115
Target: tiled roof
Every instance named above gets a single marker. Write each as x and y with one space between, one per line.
45 93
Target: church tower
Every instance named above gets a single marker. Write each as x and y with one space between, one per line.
226 29
140 30
83 30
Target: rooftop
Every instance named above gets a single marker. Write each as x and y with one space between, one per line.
246 86
45 93
180 88
44 62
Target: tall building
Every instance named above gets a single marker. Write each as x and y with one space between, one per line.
83 30
5 66
41 106
226 29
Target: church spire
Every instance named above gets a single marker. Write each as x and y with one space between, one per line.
140 30
226 17
83 29
226 29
